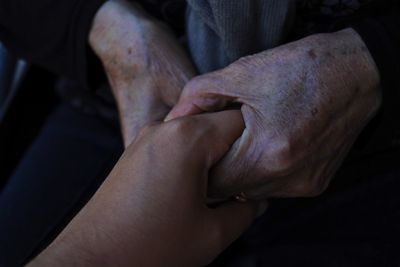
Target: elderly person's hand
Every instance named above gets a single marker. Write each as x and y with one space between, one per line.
145 64
304 104
151 210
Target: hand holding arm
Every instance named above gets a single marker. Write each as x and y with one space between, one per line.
304 104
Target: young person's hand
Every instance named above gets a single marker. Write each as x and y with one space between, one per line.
145 64
151 210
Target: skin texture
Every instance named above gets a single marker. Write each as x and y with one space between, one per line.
303 104
145 65
151 210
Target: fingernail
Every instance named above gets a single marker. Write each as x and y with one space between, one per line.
173 113
262 208
168 118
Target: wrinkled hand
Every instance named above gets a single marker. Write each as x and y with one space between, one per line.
151 210
145 65
304 104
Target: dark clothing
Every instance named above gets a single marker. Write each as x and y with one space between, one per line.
355 223
55 34
61 170
50 33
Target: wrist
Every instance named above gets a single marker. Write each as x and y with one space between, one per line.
344 57
364 63
360 62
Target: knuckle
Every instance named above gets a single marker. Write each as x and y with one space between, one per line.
303 189
147 130
216 235
174 131
188 127
183 126
308 188
281 153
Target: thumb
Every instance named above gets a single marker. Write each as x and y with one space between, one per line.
233 218
202 94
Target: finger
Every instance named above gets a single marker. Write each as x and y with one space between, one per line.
202 94
232 219
240 171
196 143
307 181
236 171
221 130
201 140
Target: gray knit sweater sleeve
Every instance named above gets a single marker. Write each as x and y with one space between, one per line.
221 31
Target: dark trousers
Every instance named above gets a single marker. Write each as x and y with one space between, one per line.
63 167
355 223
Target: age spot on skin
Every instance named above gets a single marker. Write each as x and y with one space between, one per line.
329 54
312 54
129 51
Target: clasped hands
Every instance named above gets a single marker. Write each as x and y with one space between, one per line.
303 104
